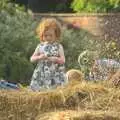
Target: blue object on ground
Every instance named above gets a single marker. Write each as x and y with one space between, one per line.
6 85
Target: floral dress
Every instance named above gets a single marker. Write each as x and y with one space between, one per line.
47 74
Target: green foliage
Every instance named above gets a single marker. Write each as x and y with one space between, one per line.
81 48
17 42
96 5
107 49
110 49
10 7
74 43
3 4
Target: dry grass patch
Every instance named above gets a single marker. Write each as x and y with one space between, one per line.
79 115
26 105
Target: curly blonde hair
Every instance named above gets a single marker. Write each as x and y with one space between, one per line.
49 23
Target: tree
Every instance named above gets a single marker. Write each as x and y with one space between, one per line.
96 5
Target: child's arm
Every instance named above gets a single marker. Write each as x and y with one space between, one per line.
37 55
61 58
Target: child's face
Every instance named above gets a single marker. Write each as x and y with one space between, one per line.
49 35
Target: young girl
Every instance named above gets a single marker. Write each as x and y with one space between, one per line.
50 70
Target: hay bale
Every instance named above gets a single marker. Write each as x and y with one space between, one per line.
85 95
74 75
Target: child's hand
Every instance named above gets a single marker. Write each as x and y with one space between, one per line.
36 57
56 60
52 59
42 56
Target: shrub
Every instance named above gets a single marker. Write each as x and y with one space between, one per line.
17 42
